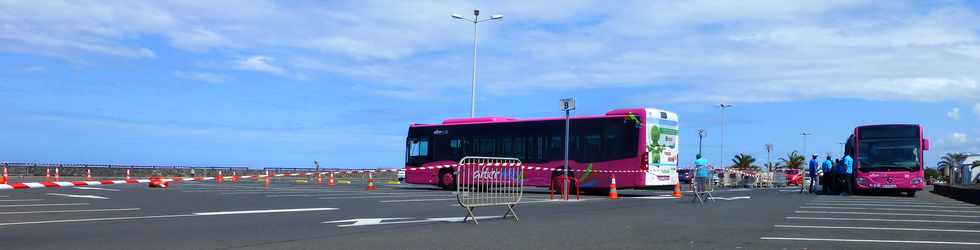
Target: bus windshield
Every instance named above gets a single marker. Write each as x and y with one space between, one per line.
889 154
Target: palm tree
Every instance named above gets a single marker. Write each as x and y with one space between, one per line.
951 160
743 162
773 165
793 160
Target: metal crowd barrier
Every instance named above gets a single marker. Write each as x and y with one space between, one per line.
489 181
703 186
779 178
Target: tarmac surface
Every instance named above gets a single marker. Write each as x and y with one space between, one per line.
310 216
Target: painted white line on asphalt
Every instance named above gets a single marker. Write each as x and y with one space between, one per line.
351 193
653 197
416 200
70 211
883 228
887 203
893 214
890 209
46 205
890 205
98 188
382 196
267 211
165 216
731 198
888 220
94 219
22 200
80 196
876 241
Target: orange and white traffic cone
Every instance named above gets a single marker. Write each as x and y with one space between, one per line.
88 174
57 174
612 189
370 182
268 180
330 181
234 177
127 174
47 174
677 190
3 180
220 178
319 178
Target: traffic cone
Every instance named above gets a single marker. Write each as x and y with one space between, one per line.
88 174
57 174
267 180
3 179
220 178
127 174
319 178
234 177
612 189
370 182
330 180
677 190
47 174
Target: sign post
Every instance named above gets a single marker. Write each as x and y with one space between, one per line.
567 105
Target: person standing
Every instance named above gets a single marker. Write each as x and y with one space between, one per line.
849 174
812 173
701 173
825 178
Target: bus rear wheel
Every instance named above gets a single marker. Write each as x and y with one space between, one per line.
910 193
447 180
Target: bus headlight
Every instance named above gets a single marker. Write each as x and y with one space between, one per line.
861 181
916 180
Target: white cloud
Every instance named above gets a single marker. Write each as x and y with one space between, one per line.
959 138
200 76
753 51
954 114
260 64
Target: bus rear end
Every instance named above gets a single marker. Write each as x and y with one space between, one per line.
888 158
661 147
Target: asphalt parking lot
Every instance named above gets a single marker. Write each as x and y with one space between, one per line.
309 216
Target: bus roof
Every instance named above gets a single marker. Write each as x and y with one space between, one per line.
878 125
483 120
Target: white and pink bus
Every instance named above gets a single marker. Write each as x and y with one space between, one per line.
888 158
640 144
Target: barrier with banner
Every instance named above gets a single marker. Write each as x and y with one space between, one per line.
489 181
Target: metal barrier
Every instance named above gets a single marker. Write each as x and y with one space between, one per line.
703 186
489 181
779 178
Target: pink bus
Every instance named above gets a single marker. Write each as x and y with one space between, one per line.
888 158
641 143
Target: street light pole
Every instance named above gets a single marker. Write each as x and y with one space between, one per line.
769 156
805 152
700 138
476 19
721 158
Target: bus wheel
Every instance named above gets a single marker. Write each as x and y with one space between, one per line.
447 180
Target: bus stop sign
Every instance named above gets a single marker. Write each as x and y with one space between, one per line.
567 104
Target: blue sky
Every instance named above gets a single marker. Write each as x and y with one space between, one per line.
261 83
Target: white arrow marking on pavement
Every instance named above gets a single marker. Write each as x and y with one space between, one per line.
362 221
80 196
730 198
380 221
95 188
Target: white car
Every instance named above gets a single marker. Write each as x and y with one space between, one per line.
401 174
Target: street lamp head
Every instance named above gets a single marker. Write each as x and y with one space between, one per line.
476 12
457 16
497 17
725 105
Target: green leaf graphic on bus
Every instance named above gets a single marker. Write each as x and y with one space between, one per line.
654 145
585 175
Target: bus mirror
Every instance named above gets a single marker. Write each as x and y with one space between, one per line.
925 144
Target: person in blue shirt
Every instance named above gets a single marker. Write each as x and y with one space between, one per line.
702 174
848 174
825 179
812 173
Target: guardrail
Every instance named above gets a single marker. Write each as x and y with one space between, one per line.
489 181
